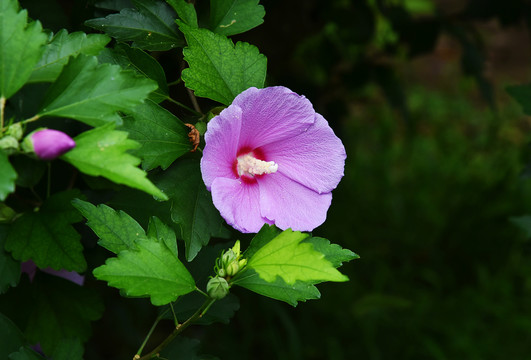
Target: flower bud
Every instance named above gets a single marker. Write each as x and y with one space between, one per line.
230 262
217 288
8 143
15 130
233 268
228 257
49 144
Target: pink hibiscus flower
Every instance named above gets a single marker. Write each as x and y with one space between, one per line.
270 158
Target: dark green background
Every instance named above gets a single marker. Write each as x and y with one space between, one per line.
436 151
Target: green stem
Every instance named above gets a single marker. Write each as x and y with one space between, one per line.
175 321
31 119
176 82
183 106
193 99
179 329
201 292
2 106
148 336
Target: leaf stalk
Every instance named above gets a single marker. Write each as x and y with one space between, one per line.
179 329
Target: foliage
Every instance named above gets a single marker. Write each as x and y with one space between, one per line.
133 158
434 197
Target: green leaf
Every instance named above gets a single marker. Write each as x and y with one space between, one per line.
161 232
25 354
93 93
103 152
265 235
218 69
192 206
278 289
522 94
332 252
151 26
11 338
185 11
7 177
162 136
61 310
21 46
47 236
60 48
9 268
151 271
230 17
116 229
142 63
286 256
69 349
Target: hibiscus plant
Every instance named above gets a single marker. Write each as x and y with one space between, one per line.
112 175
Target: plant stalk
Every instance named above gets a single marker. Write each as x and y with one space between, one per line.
2 106
183 106
179 329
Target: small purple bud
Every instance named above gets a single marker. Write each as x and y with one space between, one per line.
49 144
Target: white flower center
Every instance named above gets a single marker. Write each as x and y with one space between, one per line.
251 166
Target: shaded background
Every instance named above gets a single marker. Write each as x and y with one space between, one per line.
436 151
416 91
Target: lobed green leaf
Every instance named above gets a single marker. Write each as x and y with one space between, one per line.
230 17
332 252
93 93
185 11
218 69
151 26
47 236
277 289
153 270
60 48
21 46
116 229
8 177
11 338
103 152
191 205
286 256
162 136
160 231
140 62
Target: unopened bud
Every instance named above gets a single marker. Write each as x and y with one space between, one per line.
15 130
8 143
233 268
217 288
48 144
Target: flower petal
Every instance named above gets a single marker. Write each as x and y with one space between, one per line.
238 203
292 205
221 145
315 158
272 114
